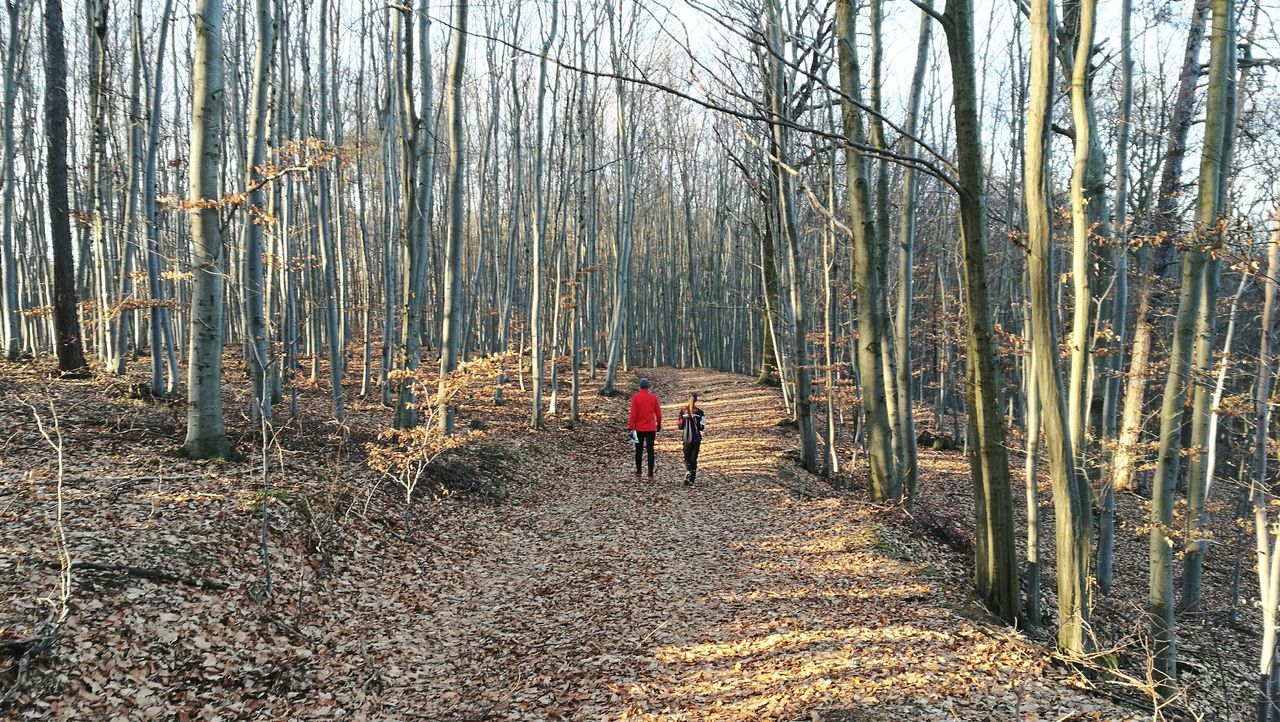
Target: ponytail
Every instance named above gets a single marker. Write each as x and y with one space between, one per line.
693 399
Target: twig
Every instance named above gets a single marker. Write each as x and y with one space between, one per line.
655 630
150 573
46 631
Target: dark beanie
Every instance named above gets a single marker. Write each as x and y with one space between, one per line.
644 383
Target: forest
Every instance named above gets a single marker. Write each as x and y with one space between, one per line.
320 320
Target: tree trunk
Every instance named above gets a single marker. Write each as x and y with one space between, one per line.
453 289
996 568
1189 299
329 254
66 320
206 434
883 483
539 231
1070 497
416 210
1081 338
906 261
1205 401
894 396
1265 533
791 248
1031 470
255 321
625 228
1127 458
97 16
9 304
1120 307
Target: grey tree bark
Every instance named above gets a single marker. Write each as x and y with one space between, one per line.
1172 408
883 481
206 432
66 320
453 290
539 228
1071 497
1120 229
9 304
418 172
795 272
996 567
1127 455
906 262
255 321
625 233
1265 531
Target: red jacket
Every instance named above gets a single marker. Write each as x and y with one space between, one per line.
646 412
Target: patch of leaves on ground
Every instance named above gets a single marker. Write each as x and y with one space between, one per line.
579 594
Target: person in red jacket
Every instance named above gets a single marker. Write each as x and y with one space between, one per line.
646 422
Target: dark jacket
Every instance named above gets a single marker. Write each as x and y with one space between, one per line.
691 427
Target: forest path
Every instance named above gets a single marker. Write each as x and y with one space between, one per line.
748 597
584 595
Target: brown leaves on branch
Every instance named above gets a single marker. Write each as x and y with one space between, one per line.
292 158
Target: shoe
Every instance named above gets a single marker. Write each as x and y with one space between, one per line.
638 477
651 478
688 479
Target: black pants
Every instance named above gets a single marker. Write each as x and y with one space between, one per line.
691 449
646 442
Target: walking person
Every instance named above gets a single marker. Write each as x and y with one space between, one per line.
691 422
645 422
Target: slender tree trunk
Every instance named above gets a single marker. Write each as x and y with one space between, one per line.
1120 307
884 484
1081 338
791 243
206 434
625 235
416 218
539 230
829 322
66 319
9 303
1268 564
581 274
97 14
1204 400
888 353
255 321
453 289
1127 457
1189 299
125 291
1032 468
906 261
329 254
1071 498
1198 471
996 568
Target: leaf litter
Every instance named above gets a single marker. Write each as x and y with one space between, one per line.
761 594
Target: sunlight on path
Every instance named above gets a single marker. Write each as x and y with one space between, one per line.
600 598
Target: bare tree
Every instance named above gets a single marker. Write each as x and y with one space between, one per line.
69 343
206 432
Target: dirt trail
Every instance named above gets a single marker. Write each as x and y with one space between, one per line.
585 595
604 598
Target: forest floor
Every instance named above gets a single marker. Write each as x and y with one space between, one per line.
557 588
